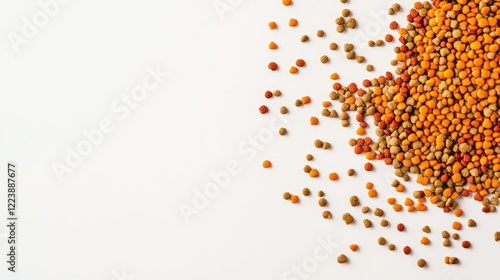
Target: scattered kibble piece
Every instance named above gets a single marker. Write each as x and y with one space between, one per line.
367 223
324 59
300 63
466 244
447 242
406 250
456 225
497 236
426 229
293 22
294 70
321 193
320 33
309 157
400 227
348 219
353 247
381 241
287 196
314 121
273 46
322 202
354 200
287 2
307 168
327 214
283 110
282 131
266 164
425 241
304 38
333 46
272 25
455 236
372 193
384 223
351 172
314 173
306 192
378 212
295 199
445 234
365 209
391 247
471 223
342 259
333 176
421 263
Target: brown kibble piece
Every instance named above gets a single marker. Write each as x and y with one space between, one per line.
304 38
367 223
333 46
321 194
471 223
351 172
497 236
282 131
426 229
391 247
320 33
306 192
381 241
287 195
340 28
324 59
348 219
445 234
354 200
283 110
346 12
447 242
327 214
351 23
369 68
298 103
365 209
421 263
307 168
322 202
309 157
378 212
342 259
455 236
384 223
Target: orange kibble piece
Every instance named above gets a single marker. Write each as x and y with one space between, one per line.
458 212
273 46
425 241
360 131
272 25
353 247
292 22
314 173
326 104
400 188
408 201
411 208
369 185
397 207
306 100
314 121
456 225
287 2
294 70
334 76
333 176
420 207
391 200
372 193
266 164
294 199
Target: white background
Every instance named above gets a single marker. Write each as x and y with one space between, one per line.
116 215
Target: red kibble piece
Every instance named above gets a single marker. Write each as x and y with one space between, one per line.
337 86
358 150
465 193
300 63
393 25
400 227
353 87
368 166
263 109
389 38
486 209
466 244
367 83
268 94
407 250
272 66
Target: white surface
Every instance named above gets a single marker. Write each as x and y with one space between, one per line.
118 213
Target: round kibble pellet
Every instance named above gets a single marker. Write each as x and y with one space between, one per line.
365 209
406 250
378 212
367 223
346 12
340 28
283 110
455 236
369 68
282 131
421 263
287 195
447 242
307 168
322 202
381 241
306 192
309 157
320 33
277 93
321 193
391 11
471 223
497 236
466 244
351 172
324 59
304 38
348 219
351 23
384 223
298 103
426 229
400 227
391 247
445 234
333 46
327 214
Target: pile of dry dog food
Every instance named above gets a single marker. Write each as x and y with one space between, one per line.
436 116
